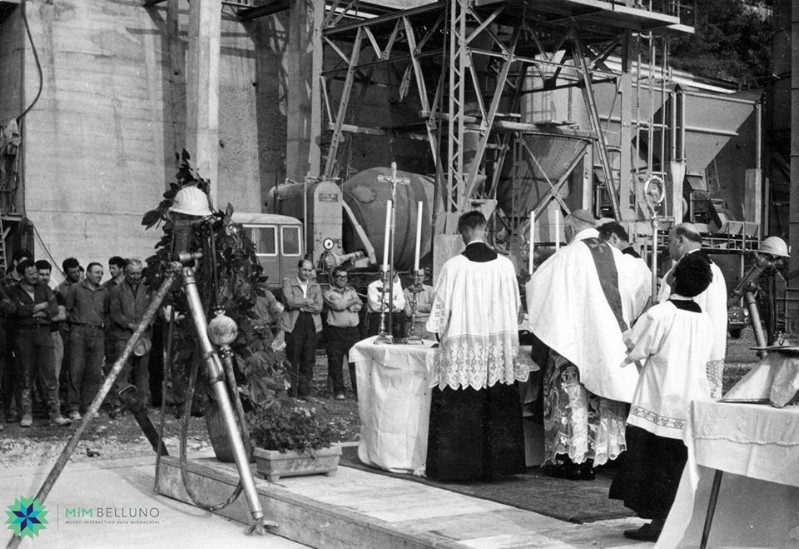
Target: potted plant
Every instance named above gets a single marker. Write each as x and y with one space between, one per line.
291 440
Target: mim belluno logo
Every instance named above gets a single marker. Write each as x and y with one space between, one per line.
26 517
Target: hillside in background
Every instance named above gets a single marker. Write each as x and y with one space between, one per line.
732 42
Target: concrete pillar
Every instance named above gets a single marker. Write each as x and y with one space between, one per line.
202 90
175 97
304 103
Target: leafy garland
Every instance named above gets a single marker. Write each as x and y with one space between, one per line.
227 279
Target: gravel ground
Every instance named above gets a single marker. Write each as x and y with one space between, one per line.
108 439
122 437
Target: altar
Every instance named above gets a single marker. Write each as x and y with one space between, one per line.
756 447
394 404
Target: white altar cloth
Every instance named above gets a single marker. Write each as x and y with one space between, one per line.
757 448
394 404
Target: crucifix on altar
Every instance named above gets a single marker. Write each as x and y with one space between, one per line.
387 268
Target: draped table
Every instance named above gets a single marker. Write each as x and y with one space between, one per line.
393 403
757 448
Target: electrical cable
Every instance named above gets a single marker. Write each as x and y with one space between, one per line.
35 58
184 432
47 251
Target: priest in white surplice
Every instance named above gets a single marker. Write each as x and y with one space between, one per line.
580 302
475 415
685 239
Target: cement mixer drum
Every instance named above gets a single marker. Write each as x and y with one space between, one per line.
367 198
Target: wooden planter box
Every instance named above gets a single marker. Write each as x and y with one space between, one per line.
272 464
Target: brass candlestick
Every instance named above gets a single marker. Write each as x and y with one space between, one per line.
415 338
384 337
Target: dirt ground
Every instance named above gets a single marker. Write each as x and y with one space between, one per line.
107 439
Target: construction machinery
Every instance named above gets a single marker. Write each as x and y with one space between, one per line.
525 109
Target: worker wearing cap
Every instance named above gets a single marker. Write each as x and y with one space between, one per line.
685 239
575 301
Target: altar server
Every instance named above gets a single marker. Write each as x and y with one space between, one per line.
674 340
685 239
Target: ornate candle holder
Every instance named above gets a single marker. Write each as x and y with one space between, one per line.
384 337
415 338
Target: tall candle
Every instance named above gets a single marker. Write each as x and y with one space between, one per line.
386 235
557 229
418 236
532 242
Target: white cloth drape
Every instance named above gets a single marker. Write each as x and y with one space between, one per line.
475 313
713 302
675 346
570 313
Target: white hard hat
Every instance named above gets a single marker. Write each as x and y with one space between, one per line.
774 245
191 201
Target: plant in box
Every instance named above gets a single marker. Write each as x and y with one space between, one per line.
291 440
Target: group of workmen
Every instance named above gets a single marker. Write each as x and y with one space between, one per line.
614 367
56 342
393 309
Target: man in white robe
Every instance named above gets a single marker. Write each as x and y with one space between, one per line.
394 314
476 417
576 305
685 239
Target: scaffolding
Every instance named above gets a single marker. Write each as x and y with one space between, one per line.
476 73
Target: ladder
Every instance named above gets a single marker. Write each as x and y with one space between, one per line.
3 253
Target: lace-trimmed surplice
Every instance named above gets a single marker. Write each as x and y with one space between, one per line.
476 350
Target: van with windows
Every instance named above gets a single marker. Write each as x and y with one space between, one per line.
278 243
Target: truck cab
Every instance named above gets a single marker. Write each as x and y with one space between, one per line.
278 243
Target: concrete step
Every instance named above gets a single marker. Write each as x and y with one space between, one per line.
354 508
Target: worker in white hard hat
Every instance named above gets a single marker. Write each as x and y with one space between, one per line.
775 246
684 239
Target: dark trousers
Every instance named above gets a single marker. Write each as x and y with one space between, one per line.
36 360
63 377
111 353
339 341
301 352
475 434
9 376
139 366
650 476
86 349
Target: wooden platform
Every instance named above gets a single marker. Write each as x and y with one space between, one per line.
354 508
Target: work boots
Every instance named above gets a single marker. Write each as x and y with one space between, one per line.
60 421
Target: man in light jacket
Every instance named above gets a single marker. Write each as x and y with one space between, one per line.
301 321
